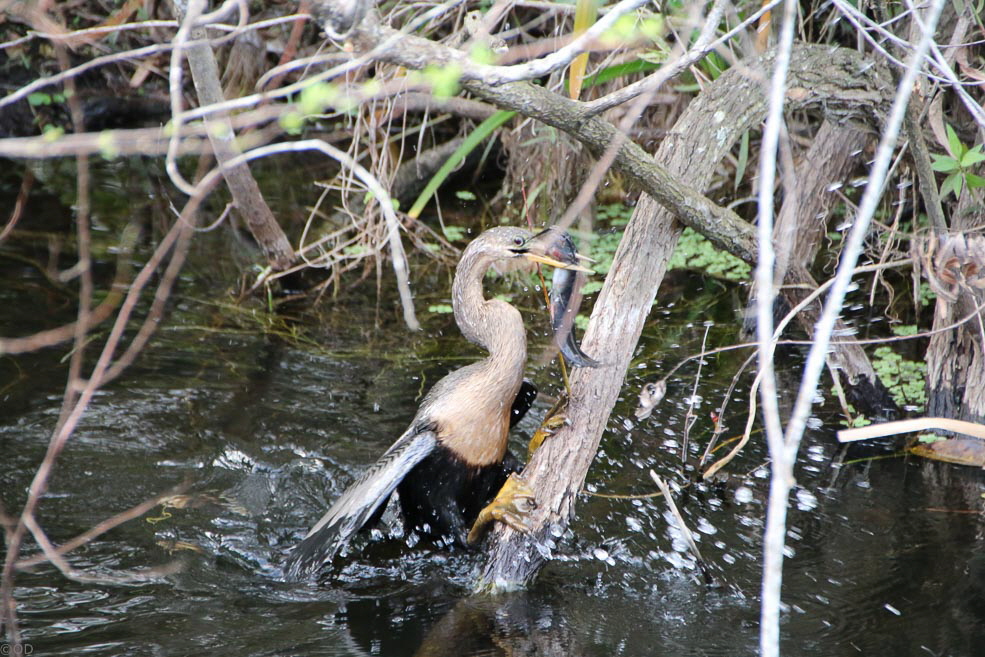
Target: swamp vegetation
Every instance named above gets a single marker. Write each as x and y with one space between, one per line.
227 237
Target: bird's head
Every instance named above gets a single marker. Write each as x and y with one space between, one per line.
510 247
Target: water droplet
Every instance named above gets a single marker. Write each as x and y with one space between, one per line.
806 500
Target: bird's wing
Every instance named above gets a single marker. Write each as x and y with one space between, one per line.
360 501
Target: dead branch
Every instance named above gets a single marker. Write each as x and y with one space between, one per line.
243 187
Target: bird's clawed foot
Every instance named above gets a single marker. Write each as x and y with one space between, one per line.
512 505
545 431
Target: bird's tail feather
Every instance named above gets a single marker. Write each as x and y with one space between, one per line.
359 502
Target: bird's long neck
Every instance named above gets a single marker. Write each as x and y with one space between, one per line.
490 323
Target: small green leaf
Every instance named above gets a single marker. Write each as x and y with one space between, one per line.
652 27
972 157
944 163
481 54
443 80
38 98
292 122
952 184
973 181
453 233
929 438
108 147
954 144
465 195
52 132
440 308
316 97
905 329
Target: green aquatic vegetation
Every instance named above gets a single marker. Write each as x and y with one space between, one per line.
857 420
694 251
905 379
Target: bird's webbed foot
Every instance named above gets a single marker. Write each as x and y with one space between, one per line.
547 429
512 505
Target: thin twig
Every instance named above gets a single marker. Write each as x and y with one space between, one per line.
682 527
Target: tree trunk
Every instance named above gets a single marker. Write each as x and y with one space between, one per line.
956 356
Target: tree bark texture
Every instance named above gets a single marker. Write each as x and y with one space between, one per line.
242 185
956 357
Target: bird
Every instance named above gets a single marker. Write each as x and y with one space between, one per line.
449 464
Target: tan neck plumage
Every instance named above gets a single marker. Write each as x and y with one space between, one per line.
471 406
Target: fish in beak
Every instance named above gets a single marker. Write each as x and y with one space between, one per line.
556 248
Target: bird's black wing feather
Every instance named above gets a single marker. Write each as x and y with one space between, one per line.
360 501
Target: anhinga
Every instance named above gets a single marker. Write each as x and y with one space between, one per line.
448 466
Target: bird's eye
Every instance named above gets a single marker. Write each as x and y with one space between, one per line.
518 241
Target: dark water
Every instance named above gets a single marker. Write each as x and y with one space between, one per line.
885 556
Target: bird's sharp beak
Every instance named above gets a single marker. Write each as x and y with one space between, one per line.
547 260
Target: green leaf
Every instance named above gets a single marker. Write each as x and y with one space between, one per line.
954 144
481 54
591 287
108 147
973 181
475 138
905 329
443 79
52 132
440 308
292 122
952 184
944 163
316 97
619 70
972 157
465 195
38 98
453 233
